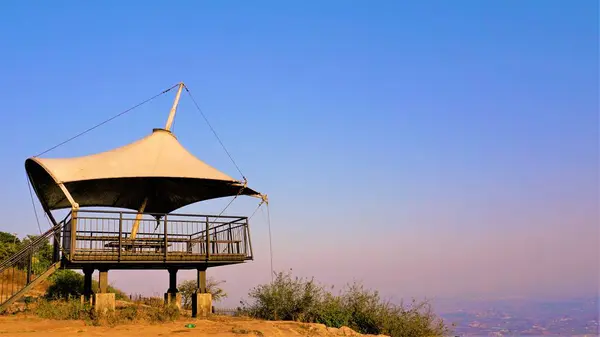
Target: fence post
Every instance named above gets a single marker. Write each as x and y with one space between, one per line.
56 243
166 233
245 241
229 238
207 239
74 214
29 258
248 238
120 234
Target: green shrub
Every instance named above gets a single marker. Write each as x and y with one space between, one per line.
363 310
287 298
416 319
66 284
333 313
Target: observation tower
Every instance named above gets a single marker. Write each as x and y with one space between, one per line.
122 207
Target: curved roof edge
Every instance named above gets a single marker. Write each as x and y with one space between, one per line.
156 167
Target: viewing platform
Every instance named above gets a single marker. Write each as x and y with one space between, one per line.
111 239
142 184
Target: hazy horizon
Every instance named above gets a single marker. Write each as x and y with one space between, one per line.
431 149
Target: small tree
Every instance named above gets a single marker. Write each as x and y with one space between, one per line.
42 258
6 237
9 244
188 287
65 284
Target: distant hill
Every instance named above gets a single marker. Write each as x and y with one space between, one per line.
523 317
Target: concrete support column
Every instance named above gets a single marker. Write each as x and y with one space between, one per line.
87 284
172 296
201 281
103 300
201 299
103 281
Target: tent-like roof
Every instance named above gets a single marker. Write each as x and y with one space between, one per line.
157 167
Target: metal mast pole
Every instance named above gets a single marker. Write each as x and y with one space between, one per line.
174 108
138 217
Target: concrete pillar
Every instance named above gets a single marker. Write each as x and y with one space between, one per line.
201 299
201 281
103 281
103 301
201 305
172 296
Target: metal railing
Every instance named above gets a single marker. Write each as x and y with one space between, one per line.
26 268
114 236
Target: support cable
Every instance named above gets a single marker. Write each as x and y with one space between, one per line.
108 120
230 202
214 132
46 216
33 205
256 210
264 201
270 241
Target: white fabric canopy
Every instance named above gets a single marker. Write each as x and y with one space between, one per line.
156 166
156 155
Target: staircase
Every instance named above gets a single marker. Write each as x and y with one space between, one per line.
25 270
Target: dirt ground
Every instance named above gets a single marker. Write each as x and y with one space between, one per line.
23 325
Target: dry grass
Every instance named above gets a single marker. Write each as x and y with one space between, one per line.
75 310
12 280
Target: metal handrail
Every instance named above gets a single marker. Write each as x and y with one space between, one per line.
33 244
215 228
220 231
163 214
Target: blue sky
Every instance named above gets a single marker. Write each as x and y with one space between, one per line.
416 139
